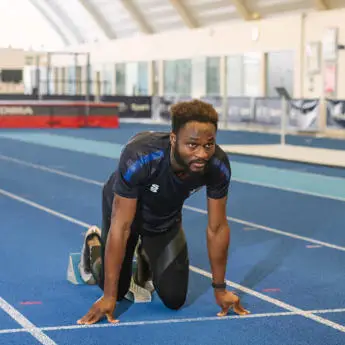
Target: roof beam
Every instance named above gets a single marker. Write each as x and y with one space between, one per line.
51 22
68 22
321 5
137 16
98 18
243 10
183 12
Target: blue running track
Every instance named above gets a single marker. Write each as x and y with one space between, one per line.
286 258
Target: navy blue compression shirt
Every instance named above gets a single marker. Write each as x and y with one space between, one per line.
144 172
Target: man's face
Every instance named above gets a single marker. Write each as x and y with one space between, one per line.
194 146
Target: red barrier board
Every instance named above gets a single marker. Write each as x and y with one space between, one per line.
45 114
42 121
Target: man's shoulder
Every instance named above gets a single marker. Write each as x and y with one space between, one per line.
146 142
144 149
220 162
220 154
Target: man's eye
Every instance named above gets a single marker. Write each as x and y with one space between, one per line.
192 146
209 146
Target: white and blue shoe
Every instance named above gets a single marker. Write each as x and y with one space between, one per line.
84 264
141 287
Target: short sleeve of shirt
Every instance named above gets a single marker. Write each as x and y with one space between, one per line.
131 174
219 177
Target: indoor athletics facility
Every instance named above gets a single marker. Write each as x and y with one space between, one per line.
80 79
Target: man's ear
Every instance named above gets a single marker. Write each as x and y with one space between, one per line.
173 139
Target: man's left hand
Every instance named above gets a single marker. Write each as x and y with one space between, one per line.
228 300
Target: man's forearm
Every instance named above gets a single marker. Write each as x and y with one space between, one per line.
114 254
218 243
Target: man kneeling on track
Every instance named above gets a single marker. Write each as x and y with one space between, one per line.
142 204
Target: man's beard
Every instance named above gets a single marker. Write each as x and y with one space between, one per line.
185 166
179 160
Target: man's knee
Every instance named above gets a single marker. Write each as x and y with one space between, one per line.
174 300
173 286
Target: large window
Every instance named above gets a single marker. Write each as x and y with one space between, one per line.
30 79
178 77
199 76
244 75
252 75
108 76
279 72
143 79
169 78
213 76
235 76
120 70
71 76
132 78
89 79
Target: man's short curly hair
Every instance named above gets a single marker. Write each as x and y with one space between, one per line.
195 110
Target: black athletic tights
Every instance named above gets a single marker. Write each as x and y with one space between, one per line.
168 259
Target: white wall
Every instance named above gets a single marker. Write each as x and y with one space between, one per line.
11 58
221 40
315 26
290 32
235 38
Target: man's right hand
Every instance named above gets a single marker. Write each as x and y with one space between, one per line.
101 308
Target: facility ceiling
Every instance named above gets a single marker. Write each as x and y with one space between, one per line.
86 21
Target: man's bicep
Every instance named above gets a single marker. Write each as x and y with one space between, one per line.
123 211
219 178
216 212
125 188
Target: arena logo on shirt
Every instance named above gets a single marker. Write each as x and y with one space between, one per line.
154 188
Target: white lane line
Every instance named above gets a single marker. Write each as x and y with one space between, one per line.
191 208
25 323
276 231
202 272
150 322
50 170
43 208
275 301
266 185
169 321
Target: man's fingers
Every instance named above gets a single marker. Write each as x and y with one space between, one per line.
95 318
83 321
224 312
238 309
111 319
85 318
89 318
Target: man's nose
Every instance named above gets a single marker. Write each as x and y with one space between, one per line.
202 154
